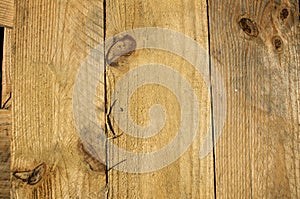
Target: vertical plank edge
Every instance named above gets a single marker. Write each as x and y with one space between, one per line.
5 131
6 65
5 117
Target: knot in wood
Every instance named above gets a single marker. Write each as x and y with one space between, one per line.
249 27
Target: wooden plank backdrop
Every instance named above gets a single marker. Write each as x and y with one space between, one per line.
252 46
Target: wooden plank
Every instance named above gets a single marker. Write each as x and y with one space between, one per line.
189 176
257 46
6 65
5 118
7 11
52 40
5 133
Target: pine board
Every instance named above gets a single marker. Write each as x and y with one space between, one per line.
51 41
257 46
189 176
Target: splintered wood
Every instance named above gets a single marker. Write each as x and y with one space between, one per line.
150 99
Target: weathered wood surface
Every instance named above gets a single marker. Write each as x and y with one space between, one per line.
7 11
5 117
257 46
253 44
6 66
51 40
188 177
5 132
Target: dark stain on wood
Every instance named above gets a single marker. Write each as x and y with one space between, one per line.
284 13
94 164
121 47
249 27
31 177
277 43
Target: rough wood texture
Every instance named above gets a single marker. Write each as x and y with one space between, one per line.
5 118
7 11
5 133
253 44
188 177
6 66
51 40
257 45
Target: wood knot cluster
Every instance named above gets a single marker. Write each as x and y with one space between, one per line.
276 22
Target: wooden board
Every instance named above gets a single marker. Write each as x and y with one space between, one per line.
5 118
254 51
189 176
7 11
51 41
5 132
6 66
257 46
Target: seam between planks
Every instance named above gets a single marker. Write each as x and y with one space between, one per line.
105 102
211 97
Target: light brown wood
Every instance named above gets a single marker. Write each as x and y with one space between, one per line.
189 176
5 118
254 45
257 46
51 41
7 11
6 66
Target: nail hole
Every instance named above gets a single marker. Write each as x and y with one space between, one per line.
284 13
277 43
249 27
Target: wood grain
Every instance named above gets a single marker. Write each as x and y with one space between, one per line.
51 40
7 11
5 118
7 63
257 46
188 177
254 46
5 134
